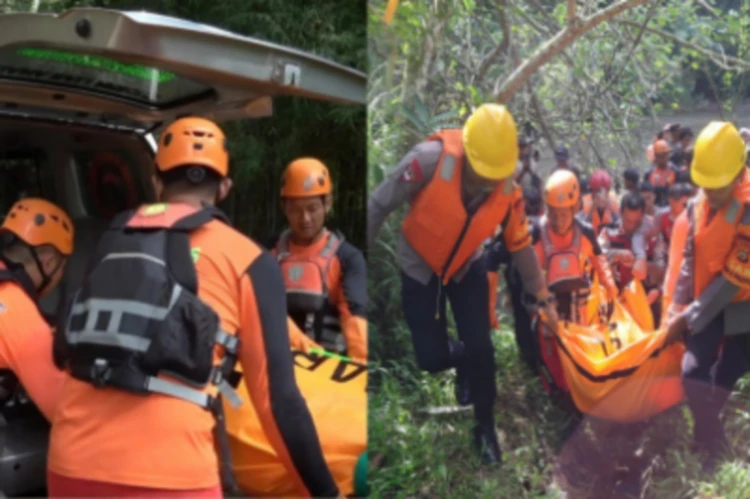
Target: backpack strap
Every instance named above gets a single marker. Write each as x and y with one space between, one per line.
11 271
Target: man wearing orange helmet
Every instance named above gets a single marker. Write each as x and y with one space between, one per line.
326 277
663 173
565 247
37 239
461 193
173 298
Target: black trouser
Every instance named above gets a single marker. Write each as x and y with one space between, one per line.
435 350
706 389
525 337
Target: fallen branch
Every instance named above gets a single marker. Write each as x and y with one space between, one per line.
557 44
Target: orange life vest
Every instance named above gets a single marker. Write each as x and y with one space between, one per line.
306 277
661 178
563 267
438 226
712 242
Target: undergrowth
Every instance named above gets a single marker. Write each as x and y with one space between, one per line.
417 454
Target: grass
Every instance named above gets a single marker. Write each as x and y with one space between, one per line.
414 454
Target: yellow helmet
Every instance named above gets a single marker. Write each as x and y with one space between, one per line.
718 155
491 142
562 190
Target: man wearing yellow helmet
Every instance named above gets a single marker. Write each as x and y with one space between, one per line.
711 300
37 239
460 189
325 276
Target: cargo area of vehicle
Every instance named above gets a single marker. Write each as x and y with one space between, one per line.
45 159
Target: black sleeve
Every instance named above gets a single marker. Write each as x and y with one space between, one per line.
353 278
290 412
587 230
497 254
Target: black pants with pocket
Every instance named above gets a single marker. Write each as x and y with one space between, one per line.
709 373
468 299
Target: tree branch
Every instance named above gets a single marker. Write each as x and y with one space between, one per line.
571 11
720 59
502 47
556 44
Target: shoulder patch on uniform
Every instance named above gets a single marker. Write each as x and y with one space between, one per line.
195 253
413 172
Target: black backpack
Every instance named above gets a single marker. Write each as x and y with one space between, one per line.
137 315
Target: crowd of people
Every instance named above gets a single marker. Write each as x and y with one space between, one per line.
569 247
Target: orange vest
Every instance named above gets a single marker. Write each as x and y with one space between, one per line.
305 276
661 178
563 265
437 225
712 242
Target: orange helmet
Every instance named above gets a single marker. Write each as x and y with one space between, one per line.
562 190
305 177
650 153
36 222
193 141
661 146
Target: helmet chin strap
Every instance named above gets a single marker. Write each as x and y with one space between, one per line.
46 278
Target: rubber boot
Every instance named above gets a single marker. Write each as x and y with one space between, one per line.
462 388
485 441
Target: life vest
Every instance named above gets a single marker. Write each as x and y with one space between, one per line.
661 178
601 219
438 226
308 296
712 242
563 269
138 317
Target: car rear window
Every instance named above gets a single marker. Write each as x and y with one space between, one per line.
98 74
19 177
110 183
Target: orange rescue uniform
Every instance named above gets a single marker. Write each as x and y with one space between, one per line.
162 442
438 226
26 344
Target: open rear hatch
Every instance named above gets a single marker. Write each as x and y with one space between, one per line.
140 71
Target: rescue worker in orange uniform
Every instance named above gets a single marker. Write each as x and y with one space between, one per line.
711 298
600 207
123 427
634 252
663 174
326 277
461 192
565 246
37 239
568 251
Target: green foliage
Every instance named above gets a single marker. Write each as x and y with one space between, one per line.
335 29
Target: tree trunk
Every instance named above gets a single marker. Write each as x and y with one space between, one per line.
556 44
